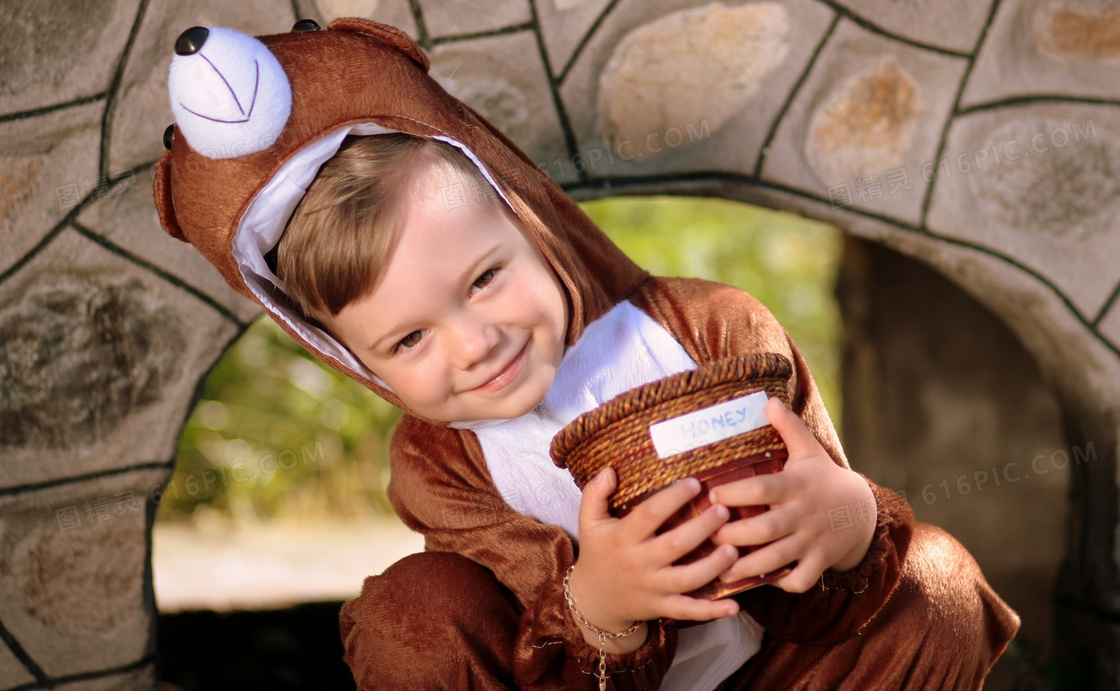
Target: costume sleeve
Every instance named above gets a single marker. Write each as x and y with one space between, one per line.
441 487
714 321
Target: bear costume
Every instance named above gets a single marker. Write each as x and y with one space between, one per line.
483 607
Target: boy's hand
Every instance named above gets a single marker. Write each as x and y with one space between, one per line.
625 571
798 523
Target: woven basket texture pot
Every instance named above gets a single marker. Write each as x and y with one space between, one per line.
617 434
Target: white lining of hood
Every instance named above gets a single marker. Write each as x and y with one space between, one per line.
267 216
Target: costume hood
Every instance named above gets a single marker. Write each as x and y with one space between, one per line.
255 118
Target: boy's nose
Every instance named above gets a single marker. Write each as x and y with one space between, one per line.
474 342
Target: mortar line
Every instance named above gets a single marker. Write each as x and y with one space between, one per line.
801 79
1029 99
24 657
110 111
554 89
584 40
85 477
423 38
45 110
489 33
870 26
927 200
90 234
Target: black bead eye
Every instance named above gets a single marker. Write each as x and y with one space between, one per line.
306 25
191 40
169 137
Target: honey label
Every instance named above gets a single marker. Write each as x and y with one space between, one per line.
709 425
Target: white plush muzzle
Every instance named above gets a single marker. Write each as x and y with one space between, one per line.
230 98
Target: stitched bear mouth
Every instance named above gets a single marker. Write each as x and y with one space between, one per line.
232 93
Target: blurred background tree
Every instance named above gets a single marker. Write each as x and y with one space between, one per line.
277 435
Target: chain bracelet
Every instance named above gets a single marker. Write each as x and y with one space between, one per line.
603 635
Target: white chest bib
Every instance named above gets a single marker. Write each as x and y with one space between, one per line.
618 352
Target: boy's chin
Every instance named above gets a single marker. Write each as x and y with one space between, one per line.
498 410
505 412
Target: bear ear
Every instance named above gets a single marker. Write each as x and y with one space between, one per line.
390 34
161 188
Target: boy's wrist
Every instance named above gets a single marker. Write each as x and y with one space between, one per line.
578 599
855 556
619 640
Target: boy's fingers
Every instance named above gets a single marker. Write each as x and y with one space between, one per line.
804 576
757 530
595 506
765 559
688 577
793 431
759 490
687 608
674 544
648 516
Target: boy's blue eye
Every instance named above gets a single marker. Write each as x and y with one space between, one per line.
412 340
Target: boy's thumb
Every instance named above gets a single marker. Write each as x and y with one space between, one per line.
792 430
596 493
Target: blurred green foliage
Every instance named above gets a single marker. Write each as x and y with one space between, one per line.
277 435
787 262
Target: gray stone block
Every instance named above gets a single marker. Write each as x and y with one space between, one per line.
1047 194
1069 47
503 78
563 24
12 671
142 109
472 16
950 24
100 360
72 580
660 89
127 218
47 165
1110 325
54 51
863 124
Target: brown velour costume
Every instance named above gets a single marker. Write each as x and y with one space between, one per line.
483 608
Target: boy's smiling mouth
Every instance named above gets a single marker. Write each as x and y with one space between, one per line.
507 374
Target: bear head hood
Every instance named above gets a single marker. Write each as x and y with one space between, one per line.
255 118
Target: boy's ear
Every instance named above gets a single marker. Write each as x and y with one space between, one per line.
164 205
389 34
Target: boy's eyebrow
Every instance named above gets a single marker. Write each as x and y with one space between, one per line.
472 267
467 274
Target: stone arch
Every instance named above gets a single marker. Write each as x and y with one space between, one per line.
840 110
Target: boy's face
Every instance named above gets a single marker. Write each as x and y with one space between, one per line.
467 321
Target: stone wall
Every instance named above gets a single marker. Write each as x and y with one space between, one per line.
979 138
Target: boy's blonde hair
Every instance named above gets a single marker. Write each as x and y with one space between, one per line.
342 232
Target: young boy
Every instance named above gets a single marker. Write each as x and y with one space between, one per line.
429 261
